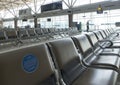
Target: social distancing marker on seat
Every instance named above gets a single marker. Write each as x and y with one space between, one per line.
30 63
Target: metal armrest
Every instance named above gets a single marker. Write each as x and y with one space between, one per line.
109 41
117 34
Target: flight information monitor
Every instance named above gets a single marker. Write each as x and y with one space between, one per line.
51 6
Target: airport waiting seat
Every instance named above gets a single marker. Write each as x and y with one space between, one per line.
30 65
2 36
47 33
39 31
72 69
11 34
97 46
51 32
114 42
103 34
45 30
31 32
54 33
110 35
23 34
98 35
92 58
101 40
64 32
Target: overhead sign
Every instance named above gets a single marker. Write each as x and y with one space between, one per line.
24 20
49 19
51 6
25 12
99 10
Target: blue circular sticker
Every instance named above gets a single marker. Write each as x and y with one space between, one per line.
30 63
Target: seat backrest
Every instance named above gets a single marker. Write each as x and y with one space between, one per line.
11 34
56 30
110 30
2 35
23 33
92 38
83 44
31 32
68 59
98 35
106 32
39 31
51 30
30 65
45 31
103 34
94 41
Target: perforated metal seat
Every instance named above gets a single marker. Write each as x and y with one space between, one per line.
72 69
30 65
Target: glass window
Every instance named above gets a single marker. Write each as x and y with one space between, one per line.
55 22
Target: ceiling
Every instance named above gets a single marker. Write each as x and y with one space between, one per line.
7 4
106 5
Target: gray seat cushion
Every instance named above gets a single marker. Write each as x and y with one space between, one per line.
97 77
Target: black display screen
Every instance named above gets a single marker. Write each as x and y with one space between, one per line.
51 6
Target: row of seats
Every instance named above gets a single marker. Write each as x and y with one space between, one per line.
21 34
78 60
